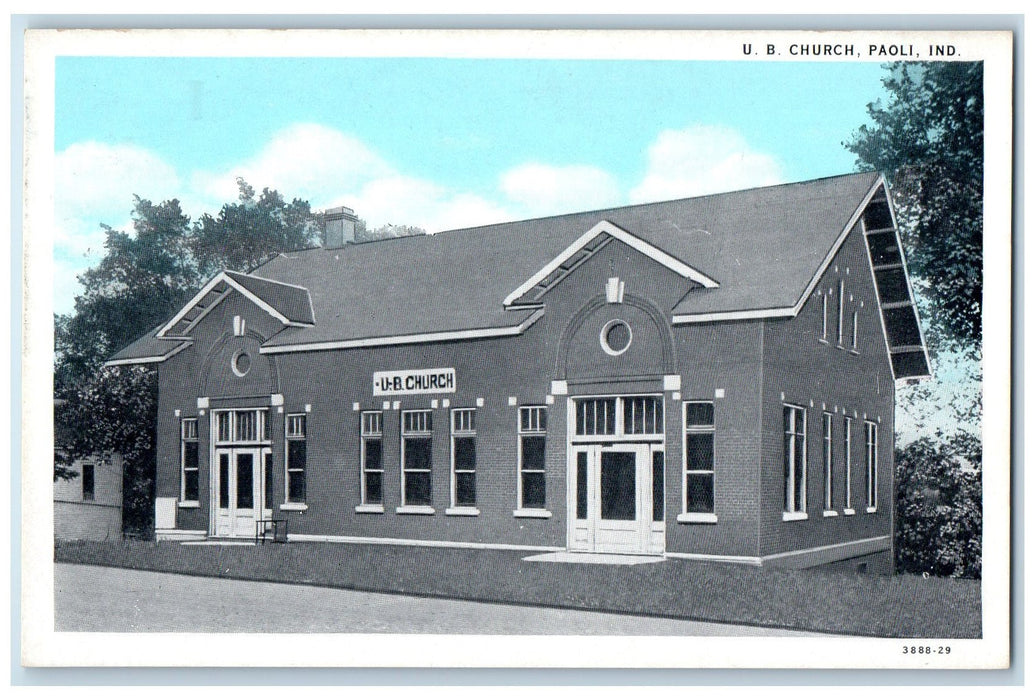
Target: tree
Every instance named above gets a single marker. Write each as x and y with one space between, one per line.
928 139
246 233
938 519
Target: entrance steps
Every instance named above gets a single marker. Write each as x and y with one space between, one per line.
213 541
591 558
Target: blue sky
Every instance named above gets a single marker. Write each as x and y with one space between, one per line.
438 143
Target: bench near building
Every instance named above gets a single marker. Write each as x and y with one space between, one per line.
711 378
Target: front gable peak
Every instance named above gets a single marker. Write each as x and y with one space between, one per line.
584 247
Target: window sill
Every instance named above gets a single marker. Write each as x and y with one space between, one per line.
787 517
697 518
872 509
532 513
298 507
370 508
854 352
189 504
824 341
463 510
849 511
830 514
415 510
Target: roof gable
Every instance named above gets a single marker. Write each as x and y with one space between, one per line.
289 304
582 248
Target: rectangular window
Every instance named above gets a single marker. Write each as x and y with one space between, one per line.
841 313
464 457
855 330
249 425
88 494
295 434
828 461
267 478
658 485
595 417
848 462
825 304
699 457
371 452
642 415
189 460
416 458
532 465
871 464
794 466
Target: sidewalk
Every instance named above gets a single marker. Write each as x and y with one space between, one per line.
816 601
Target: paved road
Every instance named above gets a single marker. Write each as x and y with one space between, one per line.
101 599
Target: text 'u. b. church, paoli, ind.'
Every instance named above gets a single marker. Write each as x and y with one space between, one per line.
708 378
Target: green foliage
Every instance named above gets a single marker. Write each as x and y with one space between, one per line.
938 519
245 234
364 234
928 139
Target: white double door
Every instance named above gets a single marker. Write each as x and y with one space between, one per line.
241 476
612 499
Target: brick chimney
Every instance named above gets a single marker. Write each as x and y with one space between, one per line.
339 227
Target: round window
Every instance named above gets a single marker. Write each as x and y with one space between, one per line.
615 337
241 363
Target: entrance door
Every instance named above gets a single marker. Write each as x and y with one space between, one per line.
239 491
613 505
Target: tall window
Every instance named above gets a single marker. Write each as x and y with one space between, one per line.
841 313
794 469
189 460
464 457
296 457
855 330
871 464
532 437
88 488
825 311
416 458
699 457
848 463
828 461
373 468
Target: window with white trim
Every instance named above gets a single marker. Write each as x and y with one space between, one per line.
825 312
189 460
794 465
855 330
848 462
243 425
699 457
88 482
372 467
841 313
295 437
619 416
416 458
828 461
464 456
532 457
871 464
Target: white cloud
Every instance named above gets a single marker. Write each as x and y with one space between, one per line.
701 160
550 189
310 161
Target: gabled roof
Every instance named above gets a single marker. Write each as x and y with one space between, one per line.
750 254
288 303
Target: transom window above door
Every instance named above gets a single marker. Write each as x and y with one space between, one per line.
636 417
248 425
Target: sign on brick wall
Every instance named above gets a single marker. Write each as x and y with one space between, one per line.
441 380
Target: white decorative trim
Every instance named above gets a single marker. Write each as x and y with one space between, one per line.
849 511
370 508
871 509
463 510
532 513
672 382
559 387
828 547
549 399
172 534
298 507
731 559
407 339
734 315
720 393
479 402
276 399
830 514
355 405
697 518
149 360
790 517
512 401
624 236
202 402
415 510
676 396
188 504
344 539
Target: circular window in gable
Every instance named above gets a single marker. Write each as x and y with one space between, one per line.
241 363
615 337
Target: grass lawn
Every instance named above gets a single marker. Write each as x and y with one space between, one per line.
845 603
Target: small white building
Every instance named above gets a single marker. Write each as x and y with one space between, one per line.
89 505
